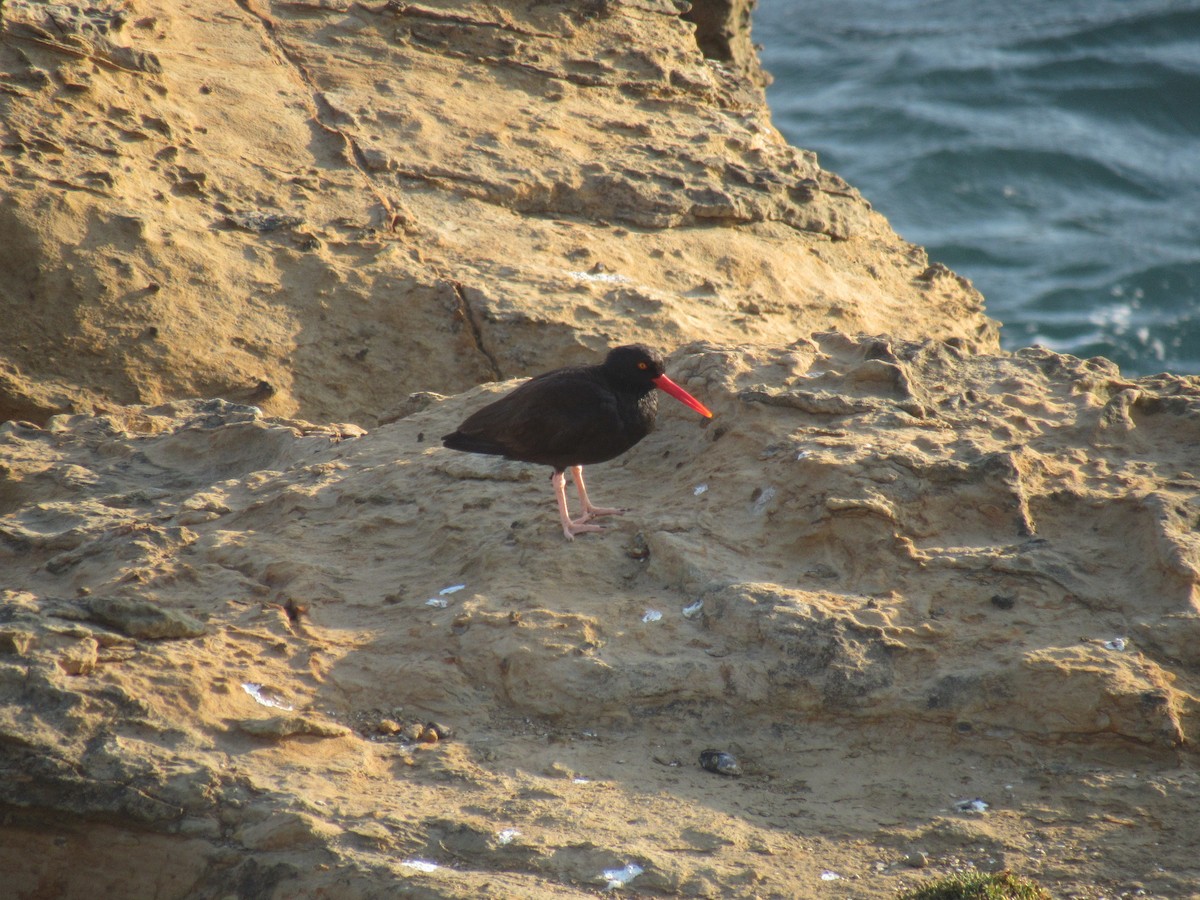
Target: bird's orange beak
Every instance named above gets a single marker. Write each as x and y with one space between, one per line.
665 384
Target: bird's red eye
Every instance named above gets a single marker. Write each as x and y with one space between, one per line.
643 366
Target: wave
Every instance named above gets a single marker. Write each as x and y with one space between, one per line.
994 177
1047 151
1141 29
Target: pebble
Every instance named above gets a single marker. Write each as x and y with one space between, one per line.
638 548
428 736
720 762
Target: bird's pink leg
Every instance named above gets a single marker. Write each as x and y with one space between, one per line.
589 511
570 528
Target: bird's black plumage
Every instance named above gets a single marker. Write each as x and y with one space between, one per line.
575 416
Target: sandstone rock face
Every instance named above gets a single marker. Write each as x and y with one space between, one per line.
321 207
940 567
924 600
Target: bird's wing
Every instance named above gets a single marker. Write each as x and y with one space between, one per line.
547 418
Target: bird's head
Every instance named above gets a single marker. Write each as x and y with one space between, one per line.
640 365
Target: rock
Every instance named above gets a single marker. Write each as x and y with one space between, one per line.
654 122
142 619
720 763
285 831
15 641
80 659
557 770
280 727
888 572
854 607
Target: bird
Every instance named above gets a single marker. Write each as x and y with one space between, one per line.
573 417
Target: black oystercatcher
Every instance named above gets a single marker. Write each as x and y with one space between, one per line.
573 417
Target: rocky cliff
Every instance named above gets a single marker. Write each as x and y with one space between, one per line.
937 601
321 207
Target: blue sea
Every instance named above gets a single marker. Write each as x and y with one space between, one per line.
1049 150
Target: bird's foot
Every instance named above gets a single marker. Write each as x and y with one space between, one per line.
578 526
594 512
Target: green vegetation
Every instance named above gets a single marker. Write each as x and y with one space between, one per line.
978 886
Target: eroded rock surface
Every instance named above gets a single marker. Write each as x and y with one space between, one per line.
936 603
322 207
912 575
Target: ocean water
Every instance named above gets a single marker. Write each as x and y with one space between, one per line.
1049 150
